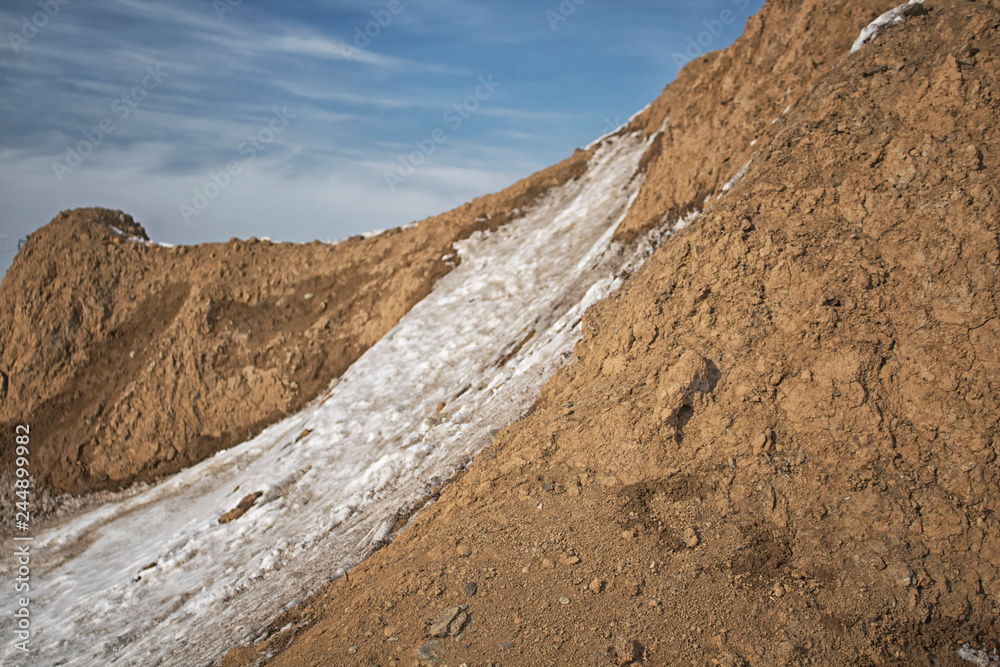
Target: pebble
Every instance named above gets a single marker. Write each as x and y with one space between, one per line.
456 625
439 628
428 651
353 649
571 560
470 588
691 539
463 551
596 585
902 574
563 600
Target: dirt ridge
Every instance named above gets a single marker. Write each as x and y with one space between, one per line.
777 444
133 360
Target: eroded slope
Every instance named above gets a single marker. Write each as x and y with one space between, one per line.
132 360
778 444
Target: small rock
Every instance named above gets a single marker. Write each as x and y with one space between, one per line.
691 539
429 651
778 591
570 560
627 534
506 646
547 564
352 650
596 585
563 600
627 650
308 296
389 631
456 625
470 588
439 628
463 551
901 574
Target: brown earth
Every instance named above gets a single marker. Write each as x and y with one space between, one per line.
777 444
131 361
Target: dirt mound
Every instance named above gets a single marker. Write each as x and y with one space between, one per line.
132 360
777 443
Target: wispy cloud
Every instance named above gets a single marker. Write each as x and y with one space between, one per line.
355 115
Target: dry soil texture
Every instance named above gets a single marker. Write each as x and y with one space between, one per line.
777 444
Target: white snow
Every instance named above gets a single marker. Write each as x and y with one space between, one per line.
891 17
639 113
978 657
735 179
336 476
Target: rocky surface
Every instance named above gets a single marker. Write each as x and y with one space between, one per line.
777 443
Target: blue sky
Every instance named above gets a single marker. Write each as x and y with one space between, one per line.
208 119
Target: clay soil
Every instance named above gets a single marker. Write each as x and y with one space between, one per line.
777 444
131 360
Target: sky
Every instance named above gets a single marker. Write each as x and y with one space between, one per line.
209 119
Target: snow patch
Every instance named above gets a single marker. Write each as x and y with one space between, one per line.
482 343
735 179
980 658
890 18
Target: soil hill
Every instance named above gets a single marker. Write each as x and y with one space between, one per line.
777 444
132 360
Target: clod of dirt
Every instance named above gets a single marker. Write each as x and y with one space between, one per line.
245 504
